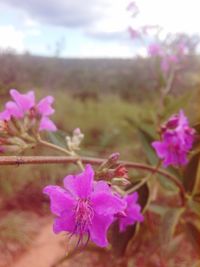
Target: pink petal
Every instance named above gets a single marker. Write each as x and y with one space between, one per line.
98 229
60 200
24 101
5 115
66 222
47 124
14 110
107 203
80 185
44 106
101 186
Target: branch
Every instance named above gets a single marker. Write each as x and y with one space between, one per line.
22 160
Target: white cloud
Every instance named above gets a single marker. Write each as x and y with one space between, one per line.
11 38
173 15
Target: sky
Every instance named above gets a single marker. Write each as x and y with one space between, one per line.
92 28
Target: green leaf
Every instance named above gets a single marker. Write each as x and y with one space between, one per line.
169 223
194 206
57 138
166 184
191 173
144 195
120 240
196 264
193 234
158 209
196 191
174 106
146 141
148 127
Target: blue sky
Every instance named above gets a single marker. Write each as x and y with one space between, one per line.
92 28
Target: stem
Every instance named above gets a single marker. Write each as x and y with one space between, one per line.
137 186
22 160
144 180
55 147
63 150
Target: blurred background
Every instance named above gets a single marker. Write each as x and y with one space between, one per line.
107 64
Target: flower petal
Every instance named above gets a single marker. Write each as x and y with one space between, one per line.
132 212
47 124
66 222
107 203
24 101
14 110
98 229
80 185
44 106
101 186
60 199
5 115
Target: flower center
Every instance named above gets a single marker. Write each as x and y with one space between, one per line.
83 216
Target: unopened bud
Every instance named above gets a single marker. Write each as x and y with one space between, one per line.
74 142
121 171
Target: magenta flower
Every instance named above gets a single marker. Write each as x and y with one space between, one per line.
84 207
24 104
131 214
177 140
168 61
155 50
134 33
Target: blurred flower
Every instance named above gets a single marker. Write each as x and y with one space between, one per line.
131 214
155 49
177 140
133 8
24 104
168 61
84 207
134 33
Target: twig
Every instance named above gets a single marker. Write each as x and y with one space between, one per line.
22 160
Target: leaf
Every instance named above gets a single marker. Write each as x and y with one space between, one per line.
144 194
57 138
147 127
169 223
166 184
158 209
174 106
193 234
120 240
190 174
194 206
196 190
147 136
146 141
196 264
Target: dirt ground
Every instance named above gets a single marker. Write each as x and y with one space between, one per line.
46 250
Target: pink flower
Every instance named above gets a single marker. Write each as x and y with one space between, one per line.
131 214
177 140
168 61
84 207
134 33
155 50
24 104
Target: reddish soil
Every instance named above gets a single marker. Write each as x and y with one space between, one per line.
46 249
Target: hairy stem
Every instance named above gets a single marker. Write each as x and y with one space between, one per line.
55 147
21 160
